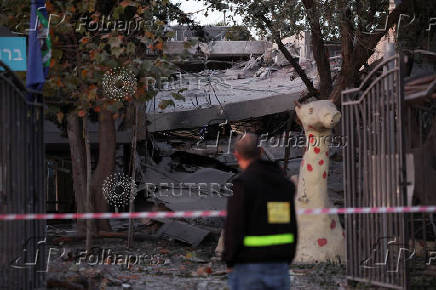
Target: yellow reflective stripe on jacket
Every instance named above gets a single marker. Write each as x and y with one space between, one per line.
270 240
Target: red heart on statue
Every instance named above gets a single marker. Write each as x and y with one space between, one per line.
333 224
322 242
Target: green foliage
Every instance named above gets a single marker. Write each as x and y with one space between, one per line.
82 54
284 14
415 31
14 14
77 73
178 95
290 17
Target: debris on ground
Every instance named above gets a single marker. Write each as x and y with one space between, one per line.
160 264
183 232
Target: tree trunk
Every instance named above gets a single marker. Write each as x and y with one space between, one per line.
78 159
320 52
89 203
354 57
347 74
132 173
105 165
289 123
432 138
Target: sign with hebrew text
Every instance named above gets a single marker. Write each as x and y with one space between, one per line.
13 52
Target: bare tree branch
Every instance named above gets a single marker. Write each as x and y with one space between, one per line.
293 61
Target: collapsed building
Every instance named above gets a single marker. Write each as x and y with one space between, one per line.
223 88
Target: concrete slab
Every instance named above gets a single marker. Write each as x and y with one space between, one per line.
232 111
219 48
185 200
208 175
202 190
183 232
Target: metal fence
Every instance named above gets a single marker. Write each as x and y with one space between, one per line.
21 185
420 120
375 175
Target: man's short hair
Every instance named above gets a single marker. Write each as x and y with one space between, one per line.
247 147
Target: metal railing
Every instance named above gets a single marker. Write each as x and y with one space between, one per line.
420 120
374 176
21 185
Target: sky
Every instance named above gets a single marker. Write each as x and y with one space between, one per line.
190 6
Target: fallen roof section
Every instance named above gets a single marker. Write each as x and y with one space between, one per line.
258 87
231 111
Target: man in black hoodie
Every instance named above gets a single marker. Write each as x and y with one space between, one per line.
260 232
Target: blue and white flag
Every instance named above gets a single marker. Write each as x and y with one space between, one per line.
39 46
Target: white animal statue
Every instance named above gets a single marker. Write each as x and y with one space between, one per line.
220 246
321 237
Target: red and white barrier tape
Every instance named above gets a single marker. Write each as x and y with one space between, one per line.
207 213
406 209
110 215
